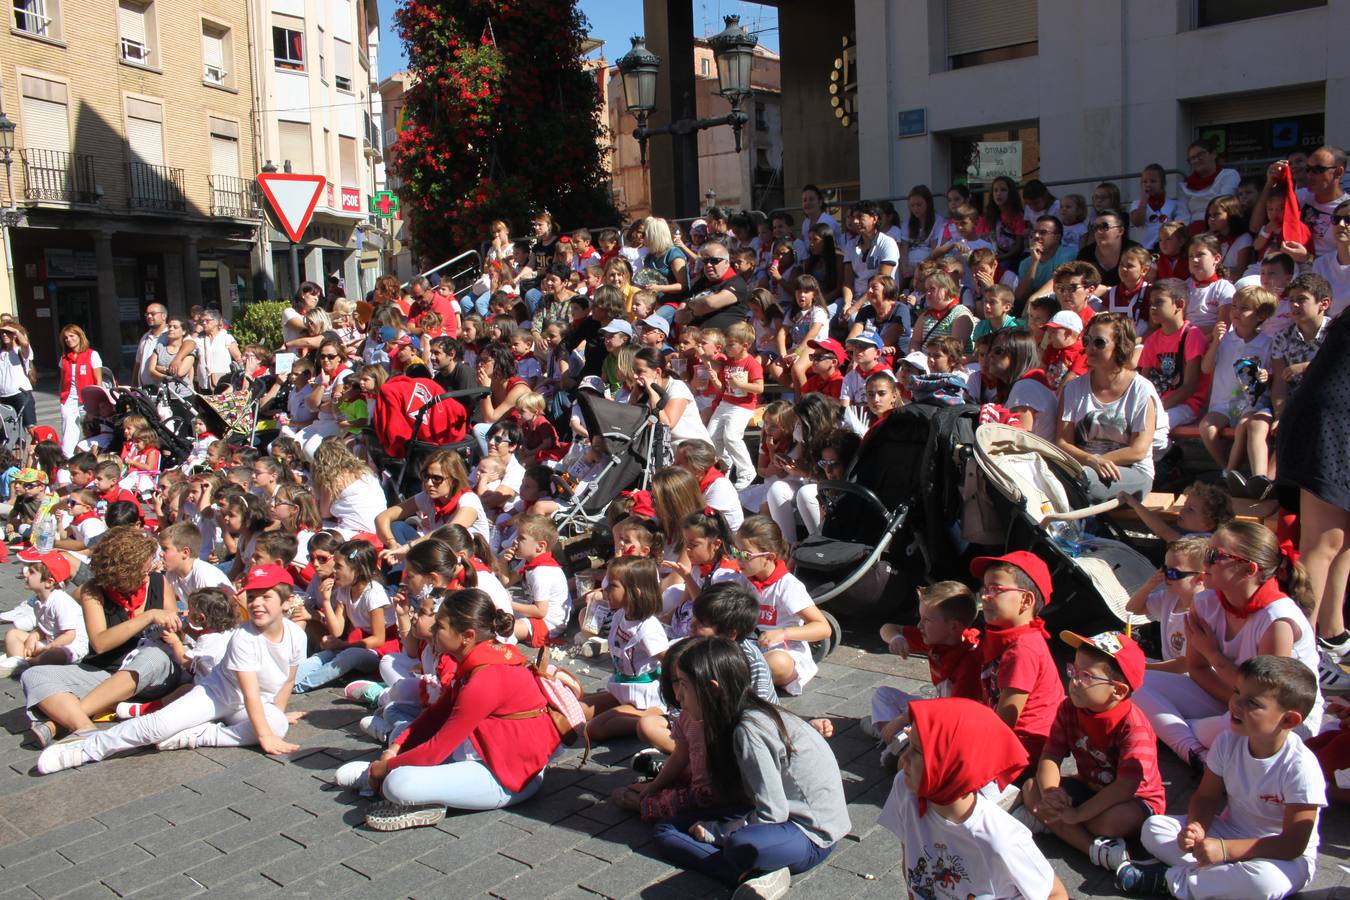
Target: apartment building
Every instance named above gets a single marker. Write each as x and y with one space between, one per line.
133 158
317 70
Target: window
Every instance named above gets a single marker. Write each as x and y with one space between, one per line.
704 67
46 114
224 147
297 146
1221 12
347 160
342 66
215 54
135 28
39 18
981 32
145 132
761 122
288 48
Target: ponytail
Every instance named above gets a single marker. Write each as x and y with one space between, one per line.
471 609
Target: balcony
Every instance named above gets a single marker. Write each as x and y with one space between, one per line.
55 175
155 188
235 198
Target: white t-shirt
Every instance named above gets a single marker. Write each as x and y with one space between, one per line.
292 324
358 609
356 507
1230 256
426 510
690 425
297 406
1259 789
550 583
13 373
146 350
1030 394
1203 301
213 356
920 246
1161 607
1196 203
1226 394
721 495
203 575
868 261
207 651
635 648
249 651
1330 268
1104 427
89 531
1317 216
990 854
1147 234
61 612
514 475
827 219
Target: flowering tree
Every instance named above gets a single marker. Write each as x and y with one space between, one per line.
501 121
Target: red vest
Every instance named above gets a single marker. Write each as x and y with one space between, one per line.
80 366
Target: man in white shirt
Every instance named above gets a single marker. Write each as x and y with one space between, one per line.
15 389
156 320
1318 201
216 350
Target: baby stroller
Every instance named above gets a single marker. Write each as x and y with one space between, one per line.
12 433
634 438
170 417
1039 502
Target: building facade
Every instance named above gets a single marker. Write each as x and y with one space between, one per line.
398 252
134 149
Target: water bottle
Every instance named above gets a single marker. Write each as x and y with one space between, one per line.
1066 535
46 535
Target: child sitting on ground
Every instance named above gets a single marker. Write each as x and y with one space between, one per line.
1172 354
539 439
211 618
1117 786
946 611
544 614
1264 843
953 837
1019 677
788 619
59 637
637 643
1167 596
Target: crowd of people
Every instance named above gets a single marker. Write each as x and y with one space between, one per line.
189 601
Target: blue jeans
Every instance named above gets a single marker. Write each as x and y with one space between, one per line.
328 666
458 785
753 850
480 432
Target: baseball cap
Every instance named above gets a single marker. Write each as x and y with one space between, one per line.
388 333
594 383
831 346
916 360
1122 649
55 562
1030 564
31 476
868 338
260 578
618 326
658 322
1068 320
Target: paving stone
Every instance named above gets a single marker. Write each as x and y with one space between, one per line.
89 871
544 881
332 851
546 843
273 820
169 861
636 872
179 887
97 845
50 840
454 856
37 866
397 880
875 855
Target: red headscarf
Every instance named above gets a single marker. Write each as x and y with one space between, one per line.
965 746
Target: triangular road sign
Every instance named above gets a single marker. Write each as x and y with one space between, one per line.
293 198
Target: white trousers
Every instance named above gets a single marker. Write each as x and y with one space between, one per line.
1250 879
1183 713
230 726
727 428
70 423
789 497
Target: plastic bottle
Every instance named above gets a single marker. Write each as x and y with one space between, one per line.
46 535
1066 535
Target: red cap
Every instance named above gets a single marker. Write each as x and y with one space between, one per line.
1119 647
42 433
260 578
830 345
55 561
1028 562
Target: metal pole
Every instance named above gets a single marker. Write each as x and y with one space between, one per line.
295 270
11 215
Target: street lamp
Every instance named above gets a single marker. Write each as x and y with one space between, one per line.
734 50
9 217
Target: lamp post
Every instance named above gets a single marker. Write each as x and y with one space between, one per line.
734 51
10 216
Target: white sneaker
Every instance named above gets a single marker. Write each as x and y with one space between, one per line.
1332 678
11 664
1109 853
1034 825
56 757
769 886
869 728
376 727
186 739
1335 650
350 774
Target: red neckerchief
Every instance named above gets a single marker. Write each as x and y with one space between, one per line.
996 639
477 565
1168 266
944 658
544 559
779 570
133 603
1265 595
965 746
1158 204
1099 725
1122 297
722 562
1037 375
258 372
489 653
85 516
519 356
1202 282
1198 183
446 509
880 419
939 313
879 367
708 478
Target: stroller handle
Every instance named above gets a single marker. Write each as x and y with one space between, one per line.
1086 512
857 490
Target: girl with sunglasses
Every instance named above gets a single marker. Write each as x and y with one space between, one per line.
1167 598
1255 603
445 499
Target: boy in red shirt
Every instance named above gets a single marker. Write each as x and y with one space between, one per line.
1020 679
1063 357
1114 746
826 359
739 380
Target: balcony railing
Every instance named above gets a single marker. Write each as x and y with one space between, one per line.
236 198
156 187
55 175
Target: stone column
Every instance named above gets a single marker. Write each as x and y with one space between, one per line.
192 276
109 339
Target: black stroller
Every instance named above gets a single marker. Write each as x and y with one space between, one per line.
634 439
172 418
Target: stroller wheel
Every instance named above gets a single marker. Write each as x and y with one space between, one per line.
822 649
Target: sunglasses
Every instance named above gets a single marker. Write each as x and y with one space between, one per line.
827 464
321 558
499 439
1172 574
1341 220
820 357
1097 343
1320 170
1104 226
738 553
1214 556
435 479
329 356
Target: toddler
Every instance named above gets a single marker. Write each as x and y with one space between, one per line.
1167 597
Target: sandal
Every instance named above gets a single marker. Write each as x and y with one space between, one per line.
388 816
43 733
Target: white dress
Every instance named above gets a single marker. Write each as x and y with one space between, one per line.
635 649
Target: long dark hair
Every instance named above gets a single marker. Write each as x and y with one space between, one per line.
818 415
436 556
919 231
703 661
463 541
470 608
829 253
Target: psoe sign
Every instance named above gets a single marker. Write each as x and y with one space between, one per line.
991 159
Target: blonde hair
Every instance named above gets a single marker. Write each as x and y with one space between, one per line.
531 402
656 233
952 599
1262 300
742 333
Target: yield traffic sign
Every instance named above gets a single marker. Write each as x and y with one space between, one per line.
384 204
293 198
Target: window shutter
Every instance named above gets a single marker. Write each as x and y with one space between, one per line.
46 114
1299 101
347 159
145 131
342 61
224 156
213 50
131 22
297 147
974 25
